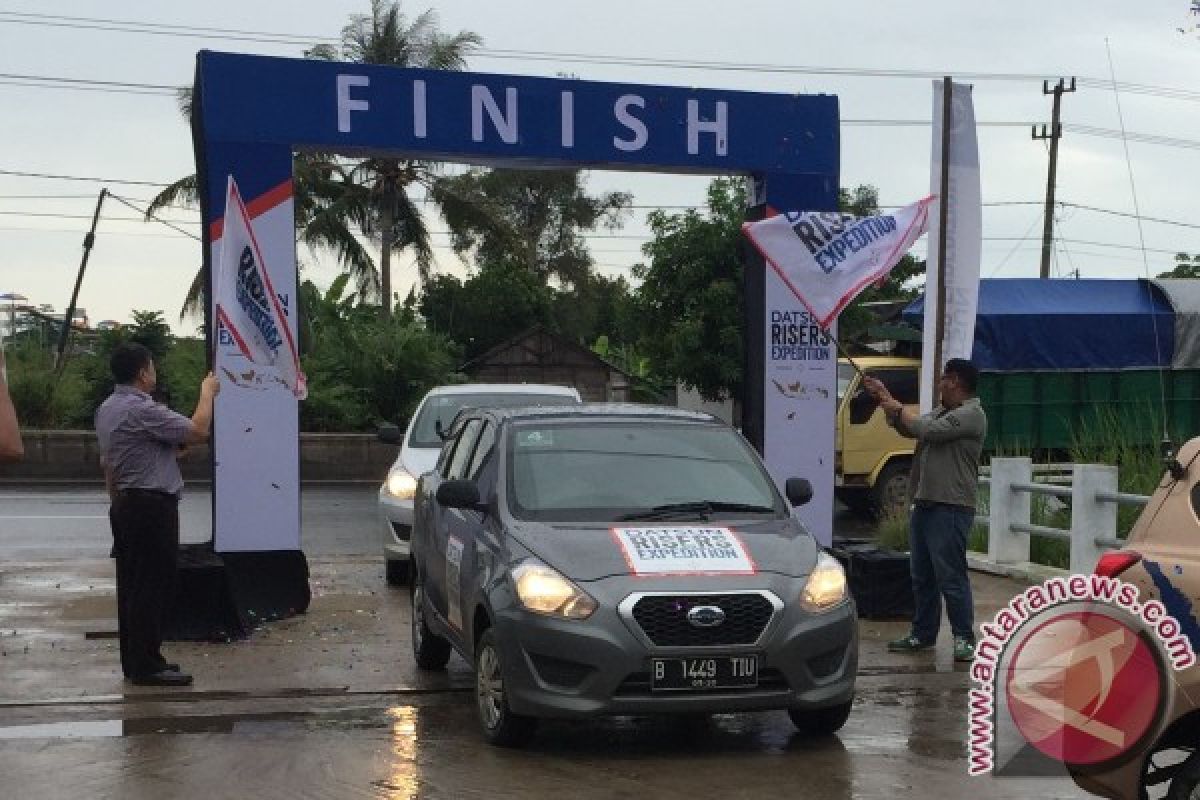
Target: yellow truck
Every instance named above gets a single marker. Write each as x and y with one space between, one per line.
871 460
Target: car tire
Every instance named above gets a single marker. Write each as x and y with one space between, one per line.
397 572
430 651
1186 780
889 495
821 721
500 726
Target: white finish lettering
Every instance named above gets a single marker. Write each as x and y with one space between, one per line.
505 124
344 102
635 125
420 110
718 127
568 119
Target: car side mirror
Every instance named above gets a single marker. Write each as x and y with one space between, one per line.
798 490
390 434
439 430
459 494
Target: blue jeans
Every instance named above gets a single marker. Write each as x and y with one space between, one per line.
938 564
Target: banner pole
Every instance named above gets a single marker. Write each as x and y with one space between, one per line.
943 219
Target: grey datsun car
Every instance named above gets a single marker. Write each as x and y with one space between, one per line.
622 559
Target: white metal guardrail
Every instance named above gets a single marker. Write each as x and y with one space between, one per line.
1091 490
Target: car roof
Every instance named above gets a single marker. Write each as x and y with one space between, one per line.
504 388
596 411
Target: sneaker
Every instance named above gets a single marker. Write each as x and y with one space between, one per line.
908 644
964 649
163 678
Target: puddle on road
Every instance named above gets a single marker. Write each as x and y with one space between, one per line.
221 723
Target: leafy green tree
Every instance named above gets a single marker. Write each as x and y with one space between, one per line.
597 306
362 369
529 218
690 298
1186 266
488 307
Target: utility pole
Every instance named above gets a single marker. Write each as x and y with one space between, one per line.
88 240
1054 134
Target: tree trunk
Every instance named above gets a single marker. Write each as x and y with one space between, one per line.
386 223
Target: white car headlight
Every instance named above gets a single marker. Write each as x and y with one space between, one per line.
542 590
400 484
826 586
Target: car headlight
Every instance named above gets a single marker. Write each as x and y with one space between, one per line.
401 484
826 586
544 591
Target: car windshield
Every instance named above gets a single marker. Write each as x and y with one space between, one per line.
845 376
648 469
444 407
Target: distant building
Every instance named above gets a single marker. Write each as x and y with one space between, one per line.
538 356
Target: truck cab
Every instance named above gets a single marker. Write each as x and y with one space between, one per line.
872 461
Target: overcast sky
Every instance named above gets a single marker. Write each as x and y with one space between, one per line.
142 137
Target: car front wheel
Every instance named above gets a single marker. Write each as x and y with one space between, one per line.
430 650
500 725
821 721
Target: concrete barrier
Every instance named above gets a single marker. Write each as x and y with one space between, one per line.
74 457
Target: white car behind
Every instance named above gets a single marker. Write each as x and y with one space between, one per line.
422 443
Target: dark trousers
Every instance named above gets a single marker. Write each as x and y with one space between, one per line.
938 562
146 544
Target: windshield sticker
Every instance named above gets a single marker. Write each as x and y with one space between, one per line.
684 551
535 439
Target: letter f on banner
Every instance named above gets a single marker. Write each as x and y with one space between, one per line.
246 303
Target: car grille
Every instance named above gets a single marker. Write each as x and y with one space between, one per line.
663 618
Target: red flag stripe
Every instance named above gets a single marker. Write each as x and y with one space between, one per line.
256 207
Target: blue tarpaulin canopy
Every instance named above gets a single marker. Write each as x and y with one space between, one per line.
1033 324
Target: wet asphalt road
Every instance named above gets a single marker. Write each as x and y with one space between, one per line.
329 704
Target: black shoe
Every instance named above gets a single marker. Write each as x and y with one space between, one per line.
164 678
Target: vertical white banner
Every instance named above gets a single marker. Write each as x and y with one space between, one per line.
799 403
256 424
964 238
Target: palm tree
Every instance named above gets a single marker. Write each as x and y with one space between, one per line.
376 189
336 197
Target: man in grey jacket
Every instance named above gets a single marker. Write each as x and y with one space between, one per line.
942 486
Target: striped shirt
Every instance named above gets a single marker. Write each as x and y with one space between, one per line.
139 439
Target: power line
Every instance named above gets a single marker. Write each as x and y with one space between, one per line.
147 215
48 176
165 90
236 34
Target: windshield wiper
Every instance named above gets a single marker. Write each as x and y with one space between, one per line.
703 508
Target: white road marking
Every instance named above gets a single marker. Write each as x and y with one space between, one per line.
50 516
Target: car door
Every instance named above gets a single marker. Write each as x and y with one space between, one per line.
442 519
477 536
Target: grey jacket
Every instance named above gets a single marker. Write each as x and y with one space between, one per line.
945 466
